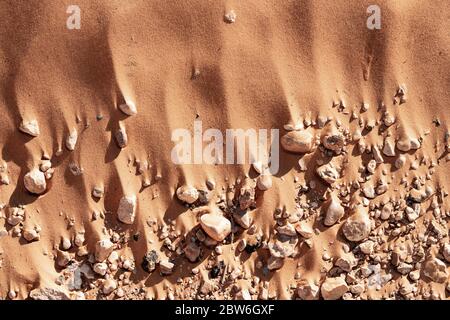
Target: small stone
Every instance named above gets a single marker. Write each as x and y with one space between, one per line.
166 267
333 140
389 148
126 212
287 230
404 144
334 211
400 161
49 294
103 249
436 270
241 245
63 258
304 229
346 262
121 137
333 288
367 247
30 127
369 191
357 227
100 268
66 244
328 173
247 194
45 165
109 285
35 181
243 219
16 215
274 263
192 252
150 260
298 141
98 192
307 290
128 108
187 194
264 182
71 140
230 17
216 226
31 235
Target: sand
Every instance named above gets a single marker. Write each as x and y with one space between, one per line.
90 114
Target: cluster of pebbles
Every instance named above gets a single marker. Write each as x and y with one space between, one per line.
390 222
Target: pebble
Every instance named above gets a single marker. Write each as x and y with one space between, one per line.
400 161
103 249
98 192
128 108
126 212
121 137
307 290
187 193
71 140
358 226
230 17
389 148
328 173
216 226
298 141
304 229
333 288
334 211
109 285
100 268
35 182
332 139
436 270
30 127
192 252
264 182
31 235
66 244
166 267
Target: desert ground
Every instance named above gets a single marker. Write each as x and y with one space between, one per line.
94 207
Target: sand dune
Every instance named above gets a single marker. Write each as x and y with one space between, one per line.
305 65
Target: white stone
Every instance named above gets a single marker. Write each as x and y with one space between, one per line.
298 141
334 211
30 127
216 226
128 108
35 181
103 249
187 194
333 288
71 140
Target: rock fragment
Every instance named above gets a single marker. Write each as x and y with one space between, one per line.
150 260
30 127
328 172
435 270
71 140
358 226
129 108
216 226
35 182
334 211
188 194
333 288
230 17
121 137
332 139
307 290
126 212
298 141
103 249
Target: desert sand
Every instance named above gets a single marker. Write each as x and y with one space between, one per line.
93 207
